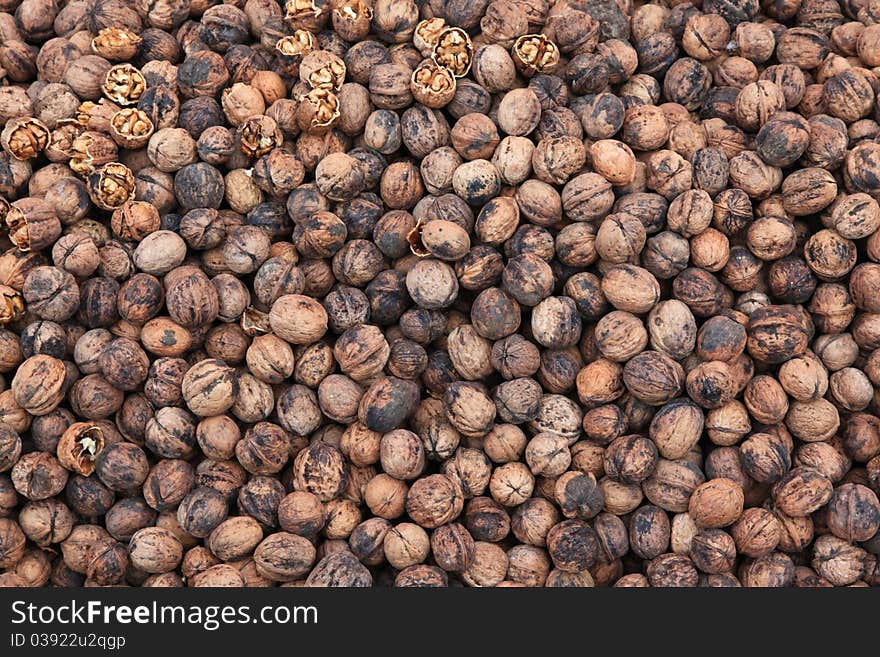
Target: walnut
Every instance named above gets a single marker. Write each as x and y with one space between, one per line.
11 305
322 70
318 110
79 447
91 150
535 53
124 84
131 128
299 10
297 45
432 85
111 185
116 44
454 51
25 138
427 34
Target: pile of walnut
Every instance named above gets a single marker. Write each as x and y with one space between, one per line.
448 292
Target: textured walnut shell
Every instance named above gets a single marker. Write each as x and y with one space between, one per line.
155 550
235 538
339 569
716 503
284 557
433 501
802 491
39 384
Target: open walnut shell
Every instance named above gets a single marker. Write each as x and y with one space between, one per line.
131 128
60 146
259 135
11 305
117 44
309 15
431 85
111 185
24 138
318 111
454 51
124 84
321 69
90 150
299 44
80 446
291 49
255 322
535 53
414 238
427 34
352 18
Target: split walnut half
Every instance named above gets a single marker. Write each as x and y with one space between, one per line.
124 84
297 10
535 53
255 322
116 43
298 44
454 51
80 446
24 138
414 238
329 76
427 34
131 128
352 12
432 85
111 185
11 305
